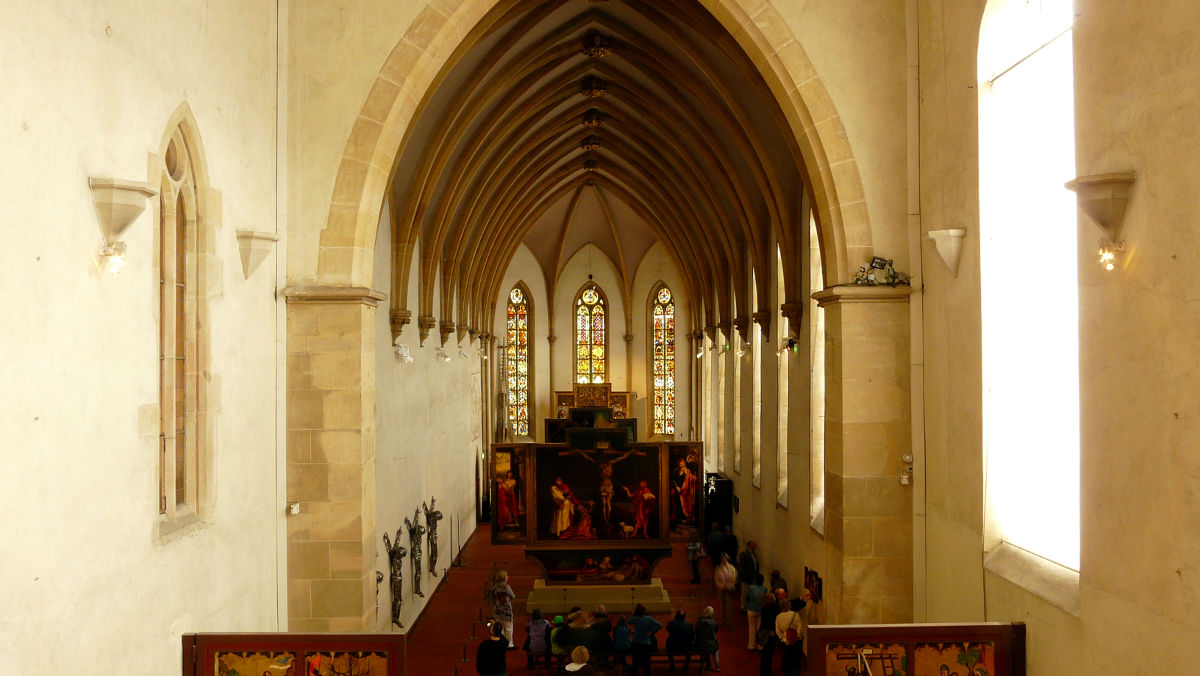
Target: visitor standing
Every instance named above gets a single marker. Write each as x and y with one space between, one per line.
642 628
789 628
680 637
752 600
766 633
621 643
693 554
725 577
776 581
715 540
706 640
538 642
502 610
747 565
490 656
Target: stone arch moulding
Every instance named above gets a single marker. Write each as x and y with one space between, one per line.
345 250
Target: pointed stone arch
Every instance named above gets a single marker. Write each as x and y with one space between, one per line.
414 66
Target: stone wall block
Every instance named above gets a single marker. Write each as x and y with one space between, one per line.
857 537
892 536
344 410
308 560
336 521
299 599
305 409
299 446
307 482
337 446
309 626
877 576
345 482
346 560
336 598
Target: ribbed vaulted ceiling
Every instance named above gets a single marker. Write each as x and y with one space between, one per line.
619 123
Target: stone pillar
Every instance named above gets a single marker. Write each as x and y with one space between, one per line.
868 517
331 458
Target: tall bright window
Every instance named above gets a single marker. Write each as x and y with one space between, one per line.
783 356
1028 283
662 334
816 355
182 356
591 358
517 361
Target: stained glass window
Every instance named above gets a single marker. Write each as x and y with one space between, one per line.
590 345
662 332
517 362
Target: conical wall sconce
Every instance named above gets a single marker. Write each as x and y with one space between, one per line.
948 244
118 204
253 246
1104 197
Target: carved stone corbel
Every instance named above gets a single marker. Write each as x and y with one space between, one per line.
726 329
399 319
711 331
446 328
794 313
763 319
425 324
742 324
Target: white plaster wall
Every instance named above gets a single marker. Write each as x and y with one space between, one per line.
656 266
524 268
589 260
428 438
87 90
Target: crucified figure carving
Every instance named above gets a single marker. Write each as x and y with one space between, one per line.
432 516
415 531
605 465
396 553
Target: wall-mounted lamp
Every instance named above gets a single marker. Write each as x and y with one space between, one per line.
118 204
443 355
112 256
948 244
404 354
1104 197
1110 254
789 344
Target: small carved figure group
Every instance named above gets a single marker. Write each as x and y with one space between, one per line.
397 552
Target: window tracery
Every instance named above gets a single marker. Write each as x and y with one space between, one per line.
517 362
662 341
591 353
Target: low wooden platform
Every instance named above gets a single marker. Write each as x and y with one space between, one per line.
556 599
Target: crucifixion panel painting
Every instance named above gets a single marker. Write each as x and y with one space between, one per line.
598 487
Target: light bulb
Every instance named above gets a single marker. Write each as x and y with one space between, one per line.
112 256
1110 254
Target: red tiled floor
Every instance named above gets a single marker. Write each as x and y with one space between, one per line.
442 635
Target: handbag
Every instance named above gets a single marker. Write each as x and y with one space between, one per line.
792 634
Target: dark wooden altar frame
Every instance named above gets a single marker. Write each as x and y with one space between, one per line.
1008 638
200 650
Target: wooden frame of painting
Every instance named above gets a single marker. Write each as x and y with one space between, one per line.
595 487
685 472
510 512
286 654
985 649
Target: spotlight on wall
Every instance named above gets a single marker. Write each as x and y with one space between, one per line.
700 353
462 353
404 354
483 354
789 344
441 354
1110 254
112 256
742 352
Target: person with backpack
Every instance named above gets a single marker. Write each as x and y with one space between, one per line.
789 629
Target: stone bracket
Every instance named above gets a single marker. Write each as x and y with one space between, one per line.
949 245
333 294
253 246
1104 197
399 319
851 293
118 203
425 324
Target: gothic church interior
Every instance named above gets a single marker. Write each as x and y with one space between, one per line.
917 273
